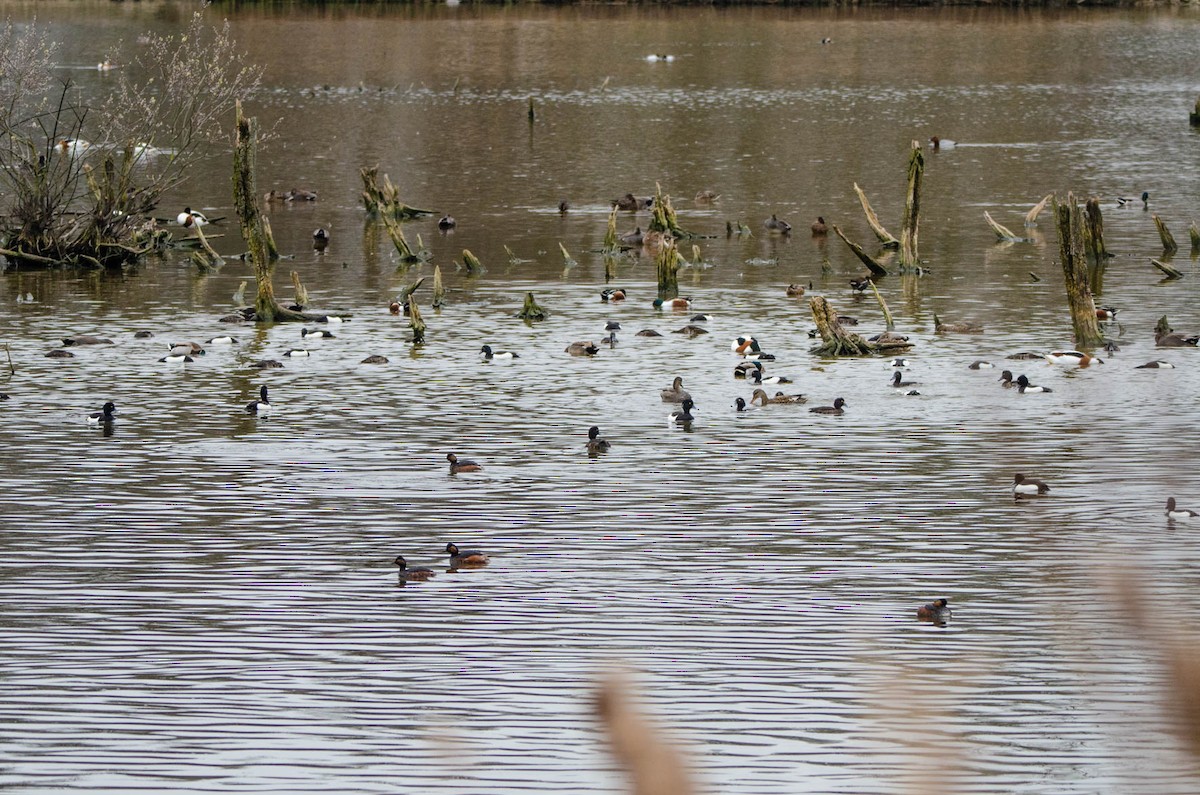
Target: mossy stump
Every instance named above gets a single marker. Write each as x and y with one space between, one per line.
532 311
1073 257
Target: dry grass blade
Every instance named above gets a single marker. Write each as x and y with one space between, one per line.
655 767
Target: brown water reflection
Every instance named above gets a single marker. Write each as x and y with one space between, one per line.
205 599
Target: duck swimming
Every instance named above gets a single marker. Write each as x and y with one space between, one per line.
469 557
675 393
818 227
489 354
1028 487
684 415
190 218
457 466
761 397
937 611
447 222
260 406
672 303
594 443
1179 513
1024 386
419 573
1072 358
1006 379
105 415
938 144
1155 365
774 224
898 383
836 409
582 349
634 238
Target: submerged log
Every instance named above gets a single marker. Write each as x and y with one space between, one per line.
1002 232
835 340
245 201
1075 273
301 292
1032 216
872 264
887 316
532 311
1168 242
471 263
1167 270
912 208
886 239
1194 234
384 200
207 259
407 254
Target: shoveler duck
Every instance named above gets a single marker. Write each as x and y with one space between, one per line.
836 409
899 383
1155 365
1072 358
613 294
72 146
794 290
759 377
466 557
104 415
1024 386
594 443
447 222
489 354
675 393
582 349
747 369
684 415
691 331
191 218
1028 487
260 406
774 224
673 303
1179 513
937 144
457 466
818 227
741 344
980 364
760 396
937 611
955 328
1106 313
1006 379
419 573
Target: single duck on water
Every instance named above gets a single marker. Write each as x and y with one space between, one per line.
937 611
759 378
675 393
899 383
489 354
191 218
837 409
760 396
465 558
582 349
1006 379
457 466
260 406
774 224
1023 386
1028 487
672 303
105 415
684 415
1179 513
1072 358
595 444
418 573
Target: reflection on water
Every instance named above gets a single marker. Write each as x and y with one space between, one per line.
197 598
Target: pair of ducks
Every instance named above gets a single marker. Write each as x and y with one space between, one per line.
470 558
776 224
1022 383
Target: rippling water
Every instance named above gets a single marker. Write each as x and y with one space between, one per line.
199 600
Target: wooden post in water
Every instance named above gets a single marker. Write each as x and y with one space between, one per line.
532 311
1194 234
1069 221
872 264
1093 231
471 262
835 340
245 202
912 208
886 239
439 292
415 322
301 292
667 263
1169 244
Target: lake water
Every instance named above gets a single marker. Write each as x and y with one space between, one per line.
199 600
